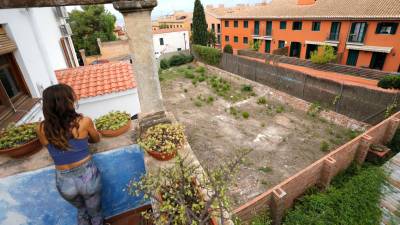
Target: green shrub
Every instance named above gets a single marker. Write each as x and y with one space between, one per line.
177 60
200 69
164 64
324 146
351 199
228 49
247 88
314 109
233 111
262 218
262 101
279 109
189 74
208 55
323 55
245 115
390 82
255 45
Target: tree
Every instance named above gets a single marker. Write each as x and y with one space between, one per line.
199 32
212 40
90 23
324 54
228 49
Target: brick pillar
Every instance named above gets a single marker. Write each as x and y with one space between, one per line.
363 148
277 206
137 17
327 172
391 130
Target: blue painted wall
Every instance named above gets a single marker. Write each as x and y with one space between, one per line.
32 199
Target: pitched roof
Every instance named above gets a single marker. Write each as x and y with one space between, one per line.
101 79
168 30
322 9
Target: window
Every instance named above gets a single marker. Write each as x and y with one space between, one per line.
257 27
12 86
335 31
161 41
281 44
297 25
357 32
218 39
316 26
245 40
267 46
213 27
227 38
352 57
282 25
386 28
218 28
246 24
236 24
269 28
236 39
226 23
179 49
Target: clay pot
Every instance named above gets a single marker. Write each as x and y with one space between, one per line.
115 133
26 149
162 156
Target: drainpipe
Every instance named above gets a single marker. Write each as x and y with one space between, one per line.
42 46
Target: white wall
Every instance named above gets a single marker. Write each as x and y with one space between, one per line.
172 41
95 107
35 32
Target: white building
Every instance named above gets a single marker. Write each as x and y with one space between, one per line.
170 40
33 43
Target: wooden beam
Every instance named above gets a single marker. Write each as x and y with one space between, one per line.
4 4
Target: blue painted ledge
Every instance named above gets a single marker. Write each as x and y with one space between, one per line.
32 199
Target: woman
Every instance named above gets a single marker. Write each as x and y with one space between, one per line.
67 135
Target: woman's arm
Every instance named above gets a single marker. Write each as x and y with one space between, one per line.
41 135
94 136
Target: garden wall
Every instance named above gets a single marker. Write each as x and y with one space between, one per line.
362 104
282 196
332 67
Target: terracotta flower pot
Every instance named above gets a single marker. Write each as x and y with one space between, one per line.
162 156
26 149
115 133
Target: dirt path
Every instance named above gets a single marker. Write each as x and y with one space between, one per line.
283 140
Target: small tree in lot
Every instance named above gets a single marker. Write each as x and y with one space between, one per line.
255 45
228 49
324 54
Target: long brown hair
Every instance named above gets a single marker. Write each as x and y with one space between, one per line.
59 113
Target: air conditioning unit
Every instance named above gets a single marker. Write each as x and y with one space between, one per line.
66 30
61 12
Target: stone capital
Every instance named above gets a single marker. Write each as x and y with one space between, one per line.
134 5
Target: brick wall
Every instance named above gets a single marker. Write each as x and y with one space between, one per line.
281 197
367 73
362 104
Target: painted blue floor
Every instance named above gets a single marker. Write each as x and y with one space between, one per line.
32 198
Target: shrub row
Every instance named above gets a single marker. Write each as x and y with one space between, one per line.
175 60
390 81
208 55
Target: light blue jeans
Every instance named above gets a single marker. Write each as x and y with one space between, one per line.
81 187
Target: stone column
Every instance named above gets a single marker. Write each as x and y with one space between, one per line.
363 148
327 172
137 16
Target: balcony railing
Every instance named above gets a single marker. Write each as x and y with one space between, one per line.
356 38
333 37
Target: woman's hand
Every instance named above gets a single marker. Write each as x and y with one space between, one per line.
94 136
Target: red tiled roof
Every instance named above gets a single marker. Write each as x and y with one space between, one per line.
94 80
170 30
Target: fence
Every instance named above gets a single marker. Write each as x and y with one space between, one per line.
281 197
362 104
351 70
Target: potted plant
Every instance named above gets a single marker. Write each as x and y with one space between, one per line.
163 141
113 124
19 141
186 194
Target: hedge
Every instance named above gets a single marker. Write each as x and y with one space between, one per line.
175 60
208 55
390 81
352 199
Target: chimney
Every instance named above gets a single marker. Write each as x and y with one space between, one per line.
306 2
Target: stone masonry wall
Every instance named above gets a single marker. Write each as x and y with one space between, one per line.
281 197
356 102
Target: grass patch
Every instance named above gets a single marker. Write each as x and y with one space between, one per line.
324 146
247 88
353 198
198 103
262 101
279 109
265 169
261 219
245 115
314 109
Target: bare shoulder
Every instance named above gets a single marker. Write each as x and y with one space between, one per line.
86 122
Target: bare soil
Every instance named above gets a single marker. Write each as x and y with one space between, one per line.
283 140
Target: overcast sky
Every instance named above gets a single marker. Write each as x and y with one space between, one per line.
168 6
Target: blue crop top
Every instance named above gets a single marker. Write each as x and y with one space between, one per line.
79 149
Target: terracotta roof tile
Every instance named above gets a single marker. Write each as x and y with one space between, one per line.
101 79
168 30
322 9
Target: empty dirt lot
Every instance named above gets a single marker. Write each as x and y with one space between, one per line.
222 115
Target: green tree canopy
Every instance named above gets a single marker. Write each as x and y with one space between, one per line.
90 23
199 25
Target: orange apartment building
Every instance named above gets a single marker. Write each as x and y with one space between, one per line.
364 32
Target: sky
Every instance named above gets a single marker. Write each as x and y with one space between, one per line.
166 7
